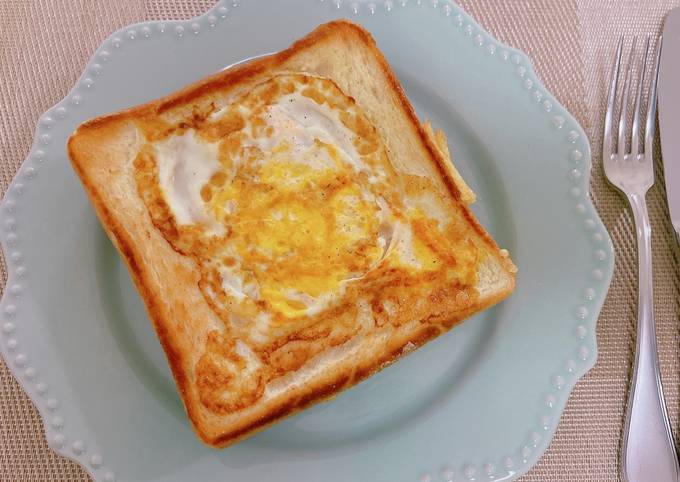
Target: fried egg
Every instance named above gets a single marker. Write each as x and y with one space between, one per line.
287 200
302 231
291 190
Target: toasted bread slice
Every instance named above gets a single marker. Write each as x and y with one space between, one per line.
291 227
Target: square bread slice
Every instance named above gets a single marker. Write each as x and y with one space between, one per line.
291 227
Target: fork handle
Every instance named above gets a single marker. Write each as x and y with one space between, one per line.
648 451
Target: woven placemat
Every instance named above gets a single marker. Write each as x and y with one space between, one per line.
44 45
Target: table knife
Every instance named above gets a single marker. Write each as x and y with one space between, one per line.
669 114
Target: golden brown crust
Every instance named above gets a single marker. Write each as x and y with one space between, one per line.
82 146
331 388
127 248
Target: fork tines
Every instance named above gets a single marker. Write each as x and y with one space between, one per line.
637 150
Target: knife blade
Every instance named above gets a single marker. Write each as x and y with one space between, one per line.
669 114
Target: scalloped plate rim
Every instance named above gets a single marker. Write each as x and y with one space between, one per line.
579 372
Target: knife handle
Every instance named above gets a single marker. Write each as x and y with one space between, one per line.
648 451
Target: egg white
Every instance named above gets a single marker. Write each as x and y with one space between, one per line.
186 163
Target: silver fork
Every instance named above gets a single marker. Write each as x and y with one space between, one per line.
648 451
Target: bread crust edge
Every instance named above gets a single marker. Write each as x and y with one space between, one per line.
126 246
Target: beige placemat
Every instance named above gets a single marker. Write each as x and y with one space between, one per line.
44 44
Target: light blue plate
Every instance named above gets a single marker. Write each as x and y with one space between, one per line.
480 403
